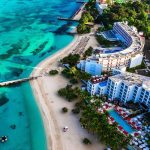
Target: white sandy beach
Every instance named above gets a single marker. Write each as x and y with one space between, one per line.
45 90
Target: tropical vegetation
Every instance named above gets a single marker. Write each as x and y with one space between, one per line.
64 109
88 52
87 16
76 110
105 43
86 141
73 81
75 74
71 59
68 93
91 120
53 72
97 124
135 13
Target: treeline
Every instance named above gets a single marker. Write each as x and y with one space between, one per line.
87 16
133 12
106 133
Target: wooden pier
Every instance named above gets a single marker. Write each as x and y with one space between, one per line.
13 82
76 16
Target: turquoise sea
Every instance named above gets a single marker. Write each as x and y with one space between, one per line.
30 32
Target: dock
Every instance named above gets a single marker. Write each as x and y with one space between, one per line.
13 82
76 16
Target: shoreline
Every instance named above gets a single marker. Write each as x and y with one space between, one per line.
50 104
43 107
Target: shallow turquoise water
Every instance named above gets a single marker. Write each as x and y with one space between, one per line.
30 32
120 121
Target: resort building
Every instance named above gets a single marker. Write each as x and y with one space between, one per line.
97 85
123 86
91 67
101 5
130 55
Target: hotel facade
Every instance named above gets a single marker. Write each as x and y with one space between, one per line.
101 5
130 57
123 86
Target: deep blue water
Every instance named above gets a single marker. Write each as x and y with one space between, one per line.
30 32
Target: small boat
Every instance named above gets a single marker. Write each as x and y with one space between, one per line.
3 139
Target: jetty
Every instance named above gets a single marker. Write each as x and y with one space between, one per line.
76 16
13 82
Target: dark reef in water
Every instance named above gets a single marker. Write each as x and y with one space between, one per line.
23 49
21 60
42 54
3 99
14 50
5 56
63 28
40 48
15 71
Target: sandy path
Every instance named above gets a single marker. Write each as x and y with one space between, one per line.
45 90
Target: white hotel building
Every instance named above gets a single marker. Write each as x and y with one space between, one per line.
101 5
124 86
130 57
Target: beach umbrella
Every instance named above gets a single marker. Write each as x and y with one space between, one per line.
140 146
132 134
135 139
136 134
135 119
135 143
110 104
139 117
112 119
99 109
144 145
131 142
140 142
139 132
104 106
120 127
128 119
138 128
126 132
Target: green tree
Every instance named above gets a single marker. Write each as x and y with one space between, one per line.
71 59
88 52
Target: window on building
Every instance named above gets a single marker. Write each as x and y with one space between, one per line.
147 93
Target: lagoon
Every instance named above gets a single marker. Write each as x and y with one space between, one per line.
28 35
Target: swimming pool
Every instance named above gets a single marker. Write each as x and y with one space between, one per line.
120 121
